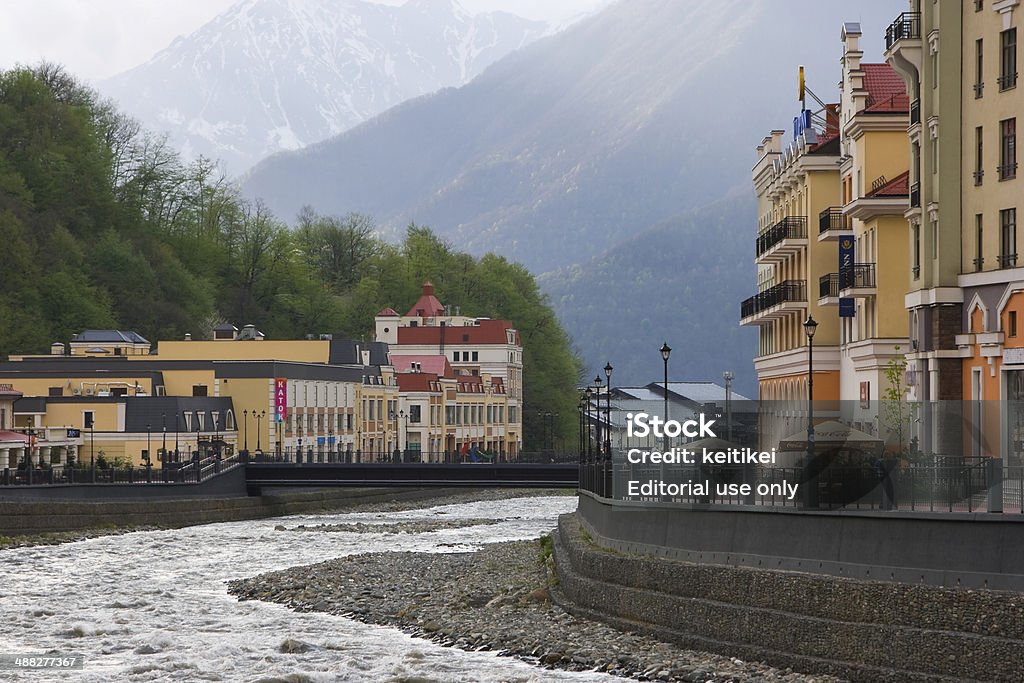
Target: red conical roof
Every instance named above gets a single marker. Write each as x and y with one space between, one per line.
428 305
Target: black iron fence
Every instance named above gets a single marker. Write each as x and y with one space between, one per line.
828 285
788 291
790 227
949 484
857 276
906 26
190 471
833 218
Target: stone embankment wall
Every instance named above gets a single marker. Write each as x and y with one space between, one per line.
856 629
21 517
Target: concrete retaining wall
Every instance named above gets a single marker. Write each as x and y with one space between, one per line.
856 629
974 551
37 516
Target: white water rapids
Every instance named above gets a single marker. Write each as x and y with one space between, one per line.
114 598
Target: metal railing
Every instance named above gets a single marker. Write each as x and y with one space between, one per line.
833 218
915 195
828 285
788 291
790 227
1007 171
192 471
857 276
953 485
915 112
411 456
906 26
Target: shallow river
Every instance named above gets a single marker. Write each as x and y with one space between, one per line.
153 606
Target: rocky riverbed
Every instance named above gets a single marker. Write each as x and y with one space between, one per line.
495 599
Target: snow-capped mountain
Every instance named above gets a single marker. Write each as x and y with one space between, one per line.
272 75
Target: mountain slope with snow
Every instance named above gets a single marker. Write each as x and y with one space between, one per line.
273 75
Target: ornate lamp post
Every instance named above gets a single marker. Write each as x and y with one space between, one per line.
599 443
810 484
163 446
259 417
589 394
666 351
149 444
245 431
608 413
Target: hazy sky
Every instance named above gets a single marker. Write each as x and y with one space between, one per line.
99 38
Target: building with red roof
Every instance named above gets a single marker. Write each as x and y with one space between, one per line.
460 377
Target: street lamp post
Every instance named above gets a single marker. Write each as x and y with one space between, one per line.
176 444
608 413
590 394
580 409
810 483
728 376
666 351
163 446
149 445
245 431
598 382
259 418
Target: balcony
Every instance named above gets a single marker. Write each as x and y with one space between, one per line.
903 49
907 26
858 281
782 239
828 290
775 302
832 224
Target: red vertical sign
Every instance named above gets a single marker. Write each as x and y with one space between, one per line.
280 399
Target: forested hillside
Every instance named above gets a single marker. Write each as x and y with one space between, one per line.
103 226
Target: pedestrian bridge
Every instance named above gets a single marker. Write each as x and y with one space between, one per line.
259 475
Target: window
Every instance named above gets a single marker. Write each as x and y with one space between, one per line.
3 418
1008 59
476 356
979 149
1007 149
1007 238
1013 323
979 68
978 241
414 414
56 391
199 390
917 250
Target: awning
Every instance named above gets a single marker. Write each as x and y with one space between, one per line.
832 434
13 437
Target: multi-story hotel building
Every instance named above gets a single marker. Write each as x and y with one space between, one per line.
797 185
832 244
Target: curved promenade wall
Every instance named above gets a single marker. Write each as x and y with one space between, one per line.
719 599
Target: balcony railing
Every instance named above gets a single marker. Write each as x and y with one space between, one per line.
1007 171
832 218
788 291
828 286
979 177
790 227
858 276
1007 81
906 26
915 112
1008 260
979 90
915 195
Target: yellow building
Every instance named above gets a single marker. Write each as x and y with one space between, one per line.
797 186
874 181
